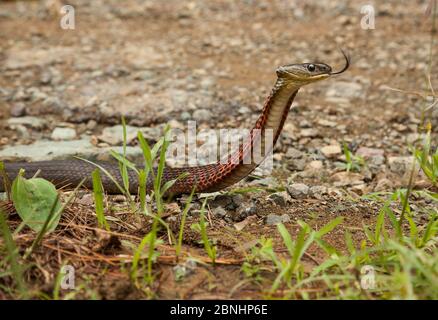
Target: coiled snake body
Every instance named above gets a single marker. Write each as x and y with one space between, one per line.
206 178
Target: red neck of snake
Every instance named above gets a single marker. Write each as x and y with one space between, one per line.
260 141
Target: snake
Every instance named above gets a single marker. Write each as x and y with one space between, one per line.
204 178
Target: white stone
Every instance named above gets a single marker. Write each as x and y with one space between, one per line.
33 122
63 134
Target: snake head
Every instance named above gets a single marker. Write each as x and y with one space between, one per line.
305 73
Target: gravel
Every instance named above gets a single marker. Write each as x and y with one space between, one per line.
298 190
331 151
63 134
274 219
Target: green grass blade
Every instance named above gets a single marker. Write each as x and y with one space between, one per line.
98 193
13 256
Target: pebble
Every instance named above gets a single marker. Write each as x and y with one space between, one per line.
344 179
298 190
52 105
91 125
400 165
245 211
219 212
48 150
383 185
114 135
331 151
297 164
173 208
309 133
279 198
28 121
326 123
314 165
273 219
63 134
317 192
18 110
293 153
202 115
368 153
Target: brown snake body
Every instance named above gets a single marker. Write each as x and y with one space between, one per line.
206 178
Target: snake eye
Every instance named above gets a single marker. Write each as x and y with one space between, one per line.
311 67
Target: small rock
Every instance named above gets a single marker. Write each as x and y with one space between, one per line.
273 219
267 182
368 153
219 212
331 151
114 135
237 200
18 110
22 131
309 133
91 125
52 105
298 190
279 198
86 200
185 116
244 110
326 123
360 189
33 122
376 161
293 153
46 77
400 165
202 115
48 150
305 124
315 165
344 179
334 192
297 164
414 137
242 224
383 185
244 212
317 192
63 134
173 208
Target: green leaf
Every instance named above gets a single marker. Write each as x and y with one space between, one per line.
34 199
287 239
329 227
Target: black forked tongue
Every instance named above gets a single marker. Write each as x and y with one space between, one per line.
347 63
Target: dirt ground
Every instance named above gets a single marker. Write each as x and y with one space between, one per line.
160 62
